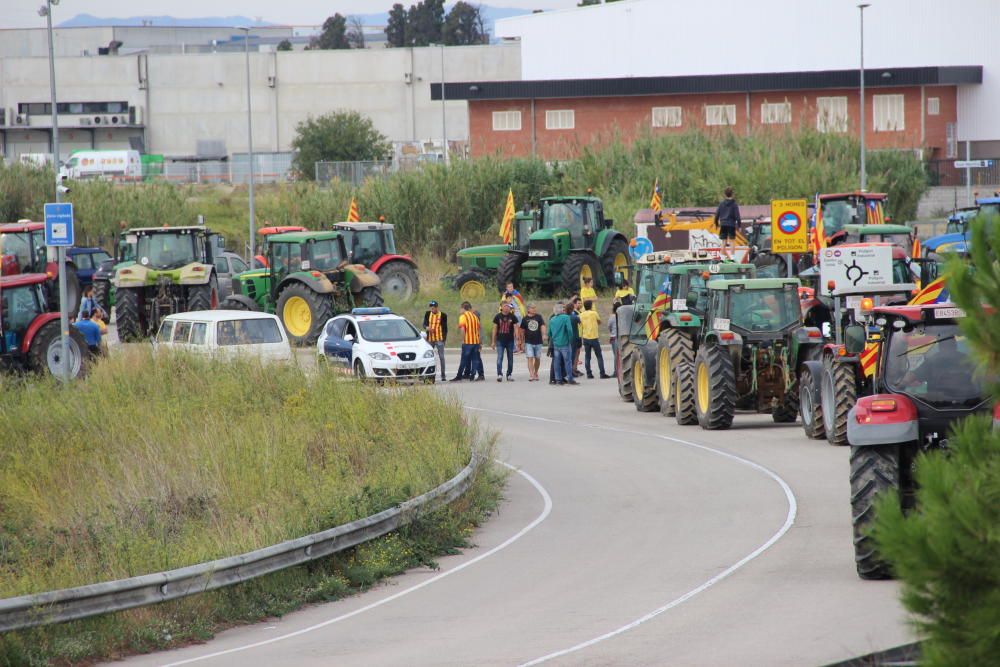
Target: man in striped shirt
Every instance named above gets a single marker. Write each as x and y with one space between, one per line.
471 362
436 326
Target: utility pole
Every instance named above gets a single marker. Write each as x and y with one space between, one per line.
253 220
444 121
861 73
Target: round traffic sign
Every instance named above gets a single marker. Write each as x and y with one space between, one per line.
789 222
640 246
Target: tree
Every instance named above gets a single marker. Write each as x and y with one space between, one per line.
395 29
424 22
356 33
284 45
334 35
464 25
338 136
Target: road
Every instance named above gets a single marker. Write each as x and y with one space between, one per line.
623 539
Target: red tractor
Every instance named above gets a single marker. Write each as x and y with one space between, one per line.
925 381
23 250
29 333
373 244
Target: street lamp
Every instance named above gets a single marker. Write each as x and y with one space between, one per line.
46 11
444 122
246 53
864 174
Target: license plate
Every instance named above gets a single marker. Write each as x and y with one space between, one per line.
408 367
949 312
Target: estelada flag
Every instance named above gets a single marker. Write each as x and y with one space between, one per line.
935 292
354 213
819 234
875 216
507 224
656 202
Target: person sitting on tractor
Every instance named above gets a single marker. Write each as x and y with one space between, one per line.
625 295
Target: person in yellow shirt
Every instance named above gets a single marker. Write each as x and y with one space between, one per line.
625 294
590 331
587 291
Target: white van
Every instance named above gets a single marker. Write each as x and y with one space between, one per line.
126 165
227 333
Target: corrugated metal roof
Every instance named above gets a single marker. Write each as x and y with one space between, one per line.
709 83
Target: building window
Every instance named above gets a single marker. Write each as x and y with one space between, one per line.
933 106
720 114
888 112
831 114
666 116
775 113
563 119
951 147
506 121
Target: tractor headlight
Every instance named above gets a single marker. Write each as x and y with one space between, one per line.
379 356
429 354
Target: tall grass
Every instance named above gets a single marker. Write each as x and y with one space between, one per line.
153 463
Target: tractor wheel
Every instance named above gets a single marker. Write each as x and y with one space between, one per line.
204 297
788 410
838 393
579 265
615 260
359 370
471 285
102 296
235 304
685 410
509 270
643 395
45 355
400 280
664 378
715 387
128 314
304 313
370 297
625 388
73 292
874 470
810 409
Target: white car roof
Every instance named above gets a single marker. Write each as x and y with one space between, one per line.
220 316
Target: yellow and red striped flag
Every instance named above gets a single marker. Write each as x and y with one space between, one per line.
819 234
934 292
656 202
875 215
869 358
507 224
354 213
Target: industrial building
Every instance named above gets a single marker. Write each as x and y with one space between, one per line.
932 71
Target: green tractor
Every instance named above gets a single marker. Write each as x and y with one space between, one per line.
659 332
307 281
555 247
172 271
750 351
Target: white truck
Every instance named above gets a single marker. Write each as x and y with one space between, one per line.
124 165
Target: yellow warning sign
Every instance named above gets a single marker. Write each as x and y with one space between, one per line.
789 225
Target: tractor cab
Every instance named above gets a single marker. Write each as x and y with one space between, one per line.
898 235
168 248
311 252
22 245
757 308
367 242
265 233
23 299
850 208
582 217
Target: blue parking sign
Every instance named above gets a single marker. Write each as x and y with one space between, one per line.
59 224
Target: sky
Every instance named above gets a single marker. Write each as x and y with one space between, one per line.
24 13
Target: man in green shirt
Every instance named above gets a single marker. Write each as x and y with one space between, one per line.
561 338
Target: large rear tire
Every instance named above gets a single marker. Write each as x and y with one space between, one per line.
810 409
615 259
399 280
664 377
643 392
303 313
235 304
45 355
471 285
874 471
788 410
102 295
509 270
204 297
625 387
839 393
685 411
369 297
579 265
74 295
715 387
128 314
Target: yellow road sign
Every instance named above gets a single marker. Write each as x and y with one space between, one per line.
789 225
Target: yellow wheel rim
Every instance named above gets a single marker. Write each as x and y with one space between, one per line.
663 372
621 264
638 380
585 272
703 388
472 290
297 316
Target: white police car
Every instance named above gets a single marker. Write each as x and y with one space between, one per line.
374 343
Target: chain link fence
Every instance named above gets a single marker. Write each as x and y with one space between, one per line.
356 173
268 168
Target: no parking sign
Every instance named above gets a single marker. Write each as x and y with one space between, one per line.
789 225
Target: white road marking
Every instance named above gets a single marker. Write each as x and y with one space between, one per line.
514 538
789 520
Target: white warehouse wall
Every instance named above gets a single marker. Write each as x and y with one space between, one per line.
636 38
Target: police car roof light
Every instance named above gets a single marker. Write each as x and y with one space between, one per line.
372 311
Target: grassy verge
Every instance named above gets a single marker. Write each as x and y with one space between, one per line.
152 464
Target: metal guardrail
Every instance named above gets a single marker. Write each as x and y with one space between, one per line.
71 604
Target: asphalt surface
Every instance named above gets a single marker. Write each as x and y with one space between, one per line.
624 539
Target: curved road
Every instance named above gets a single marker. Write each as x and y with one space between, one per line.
627 540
